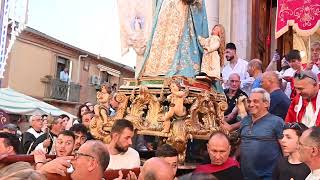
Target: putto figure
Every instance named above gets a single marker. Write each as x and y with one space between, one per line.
103 99
214 47
176 99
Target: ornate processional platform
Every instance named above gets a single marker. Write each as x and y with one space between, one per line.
176 109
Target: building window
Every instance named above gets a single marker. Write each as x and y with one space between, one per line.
105 77
63 63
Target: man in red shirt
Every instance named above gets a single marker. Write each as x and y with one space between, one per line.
306 104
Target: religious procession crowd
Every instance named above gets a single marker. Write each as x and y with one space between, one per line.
276 115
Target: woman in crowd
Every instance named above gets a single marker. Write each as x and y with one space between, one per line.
82 109
290 167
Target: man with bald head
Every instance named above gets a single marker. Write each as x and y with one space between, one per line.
309 150
222 166
89 162
156 169
279 101
232 94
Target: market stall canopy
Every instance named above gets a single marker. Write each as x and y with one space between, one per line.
14 102
302 15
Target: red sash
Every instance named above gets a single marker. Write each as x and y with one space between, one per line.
211 168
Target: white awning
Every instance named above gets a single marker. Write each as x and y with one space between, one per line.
18 103
111 71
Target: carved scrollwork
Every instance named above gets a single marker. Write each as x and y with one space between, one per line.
201 111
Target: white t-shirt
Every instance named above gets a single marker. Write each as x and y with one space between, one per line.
314 175
128 160
240 68
288 73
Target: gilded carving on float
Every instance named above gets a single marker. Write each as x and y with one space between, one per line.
176 109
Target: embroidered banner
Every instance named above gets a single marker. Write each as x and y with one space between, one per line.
302 15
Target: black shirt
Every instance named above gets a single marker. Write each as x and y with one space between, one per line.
285 171
233 173
232 102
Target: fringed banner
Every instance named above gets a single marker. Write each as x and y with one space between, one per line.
302 15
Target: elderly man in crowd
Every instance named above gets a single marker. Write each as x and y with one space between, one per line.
309 149
279 102
89 162
305 106
156 169
222 166
260 132
122 156
30 136
46 141
315 57
232 94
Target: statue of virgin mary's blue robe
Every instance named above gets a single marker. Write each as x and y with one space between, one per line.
173 48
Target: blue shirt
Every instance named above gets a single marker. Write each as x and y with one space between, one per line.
257 82
259 146
279 103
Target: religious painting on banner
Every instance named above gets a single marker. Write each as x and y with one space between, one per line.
303 15
135 19
4 118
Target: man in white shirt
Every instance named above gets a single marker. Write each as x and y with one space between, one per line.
122 156
235 65
309 150
64 75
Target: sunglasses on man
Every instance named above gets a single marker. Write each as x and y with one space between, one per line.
303 76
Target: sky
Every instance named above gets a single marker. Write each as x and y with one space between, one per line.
90 25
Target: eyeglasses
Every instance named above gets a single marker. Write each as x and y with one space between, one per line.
294 125
77 154
303 75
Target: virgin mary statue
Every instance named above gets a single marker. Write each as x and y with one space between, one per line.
173 48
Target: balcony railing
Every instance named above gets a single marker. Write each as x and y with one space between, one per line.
60 90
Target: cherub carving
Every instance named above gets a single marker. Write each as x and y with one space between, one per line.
103 99
177 108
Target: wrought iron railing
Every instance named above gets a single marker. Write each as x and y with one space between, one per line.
60 90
